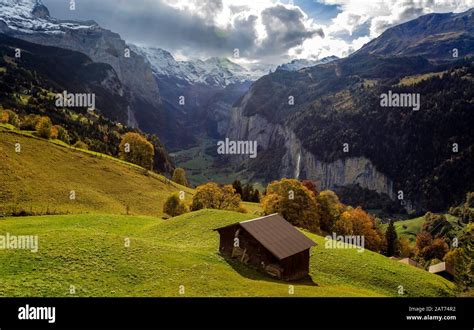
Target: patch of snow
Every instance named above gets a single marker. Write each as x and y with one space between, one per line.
213 71
299 64
18 15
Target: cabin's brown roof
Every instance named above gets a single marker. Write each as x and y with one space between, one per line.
277 235
441 267
409 261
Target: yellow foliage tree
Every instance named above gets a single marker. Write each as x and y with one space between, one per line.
44 127
213 196
136 149
363 225
406 250
296 203
331 209
3 117
54 132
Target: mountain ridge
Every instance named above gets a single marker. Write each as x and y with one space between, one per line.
214 71
338 104
101 45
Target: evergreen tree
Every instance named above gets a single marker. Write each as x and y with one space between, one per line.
256 196
238 187
247 192
392 241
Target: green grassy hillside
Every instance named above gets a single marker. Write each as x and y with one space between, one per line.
88 252
410 228
41 177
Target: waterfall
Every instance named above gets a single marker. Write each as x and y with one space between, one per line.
298 163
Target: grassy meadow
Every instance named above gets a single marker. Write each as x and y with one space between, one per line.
42 175
89 253
83 242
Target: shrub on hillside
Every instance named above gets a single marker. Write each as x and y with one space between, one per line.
9 117
331 209
3 117
29 122
136 149
44 127
81 145
54 132
179 176
213 196
62 134
174 206
291 199
462 259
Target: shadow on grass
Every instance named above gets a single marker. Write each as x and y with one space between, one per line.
253 273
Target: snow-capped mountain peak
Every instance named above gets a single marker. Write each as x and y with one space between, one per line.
30 16
299 64
213 71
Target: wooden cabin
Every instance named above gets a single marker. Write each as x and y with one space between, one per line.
410 262
269 243
443 269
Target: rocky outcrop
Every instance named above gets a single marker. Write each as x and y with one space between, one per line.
101 45
297 162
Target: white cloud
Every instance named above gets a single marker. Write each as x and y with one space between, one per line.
384 14
266 31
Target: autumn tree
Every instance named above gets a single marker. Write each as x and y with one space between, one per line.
44 127
361 224
3 117
294 202
179 176
311 186
331 209
174 206
438 249
428 248
136 149
10 117
423 242
54 132
343 226
213 196
391 239
29 122
406 251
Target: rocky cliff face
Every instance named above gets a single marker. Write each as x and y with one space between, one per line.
297 162
29 20
103 46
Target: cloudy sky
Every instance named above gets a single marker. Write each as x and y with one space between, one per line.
264 31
